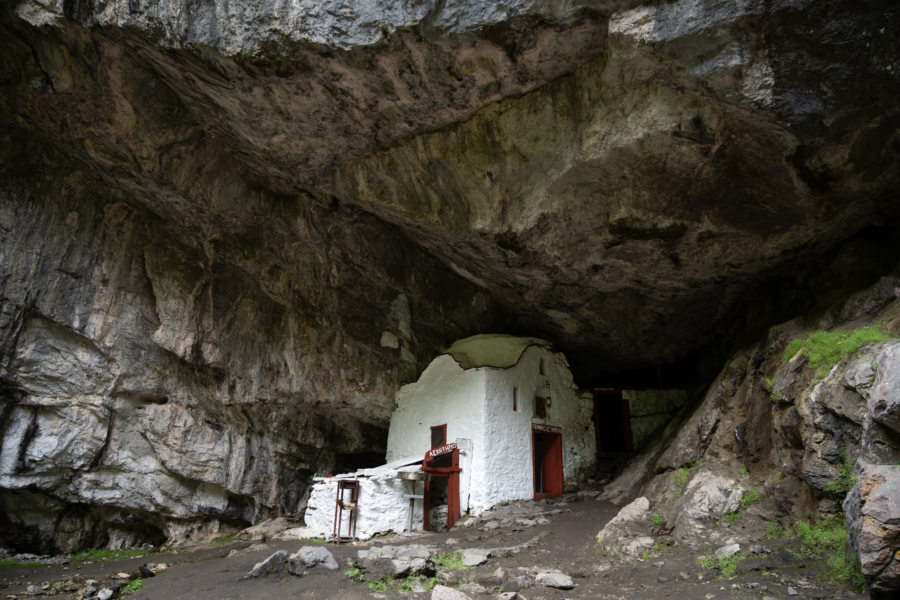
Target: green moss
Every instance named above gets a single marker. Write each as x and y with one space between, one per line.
846 479
14 563
451 561
355 574
224 539
102 554
825 349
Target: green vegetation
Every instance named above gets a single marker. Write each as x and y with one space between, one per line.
748 499
725 566
407 584
824 349
314 541
773 530
846 479
12 563
451 561
132 587
381 585
744 472
828 540
683 474
101 554
224 539
657 519
355 574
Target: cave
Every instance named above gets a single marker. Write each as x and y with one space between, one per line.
228 240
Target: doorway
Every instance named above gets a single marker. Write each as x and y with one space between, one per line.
612 423
548 464
442 465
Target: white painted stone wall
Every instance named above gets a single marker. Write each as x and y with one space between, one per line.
495 441
444 394
505 471
477 403
382 507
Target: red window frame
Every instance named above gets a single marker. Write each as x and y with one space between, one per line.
443 430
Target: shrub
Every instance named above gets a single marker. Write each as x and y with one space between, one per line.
725 566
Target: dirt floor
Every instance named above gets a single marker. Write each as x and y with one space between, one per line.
566 543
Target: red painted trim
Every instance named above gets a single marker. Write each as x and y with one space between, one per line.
551 463
443 429
452 474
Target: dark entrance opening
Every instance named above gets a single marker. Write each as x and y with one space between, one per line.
548 467
442 464
612 423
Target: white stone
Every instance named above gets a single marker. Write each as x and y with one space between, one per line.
473 558
442 592
728 550
554 579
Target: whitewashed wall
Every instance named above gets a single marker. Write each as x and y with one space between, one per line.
495 441
382 507
444 393
505 471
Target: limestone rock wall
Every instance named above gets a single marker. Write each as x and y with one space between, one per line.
230 230
155 387
803 438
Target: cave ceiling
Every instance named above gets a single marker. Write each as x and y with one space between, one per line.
621 189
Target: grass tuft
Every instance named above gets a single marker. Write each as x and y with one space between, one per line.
825 349
132 587
451 561
725 566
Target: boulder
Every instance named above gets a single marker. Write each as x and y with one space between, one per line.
872 510
628 533
270 565
555 579
442 592
474 557
308 557
707 497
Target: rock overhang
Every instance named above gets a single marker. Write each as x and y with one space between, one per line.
634 199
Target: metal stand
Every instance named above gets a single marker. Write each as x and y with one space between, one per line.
343 503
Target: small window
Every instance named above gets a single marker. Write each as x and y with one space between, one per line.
438 435
540 407
515 399
541 367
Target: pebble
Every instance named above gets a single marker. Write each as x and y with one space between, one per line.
104 594
791 591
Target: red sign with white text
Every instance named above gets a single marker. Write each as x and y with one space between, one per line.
441 450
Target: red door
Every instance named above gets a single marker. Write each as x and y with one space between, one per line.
548 464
